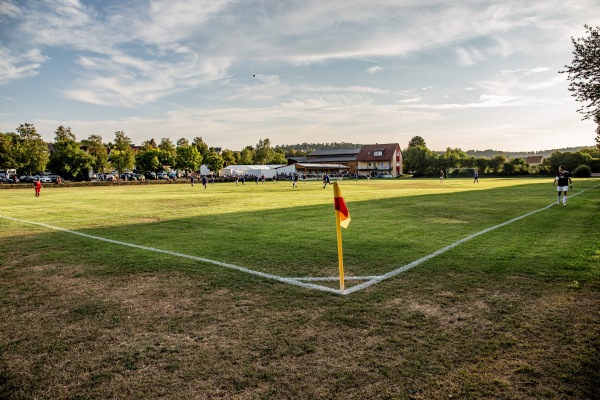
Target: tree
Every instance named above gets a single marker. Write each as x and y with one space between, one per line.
417 141
263 153
97 151
569 160
452 158
419 160
228 157
148 160
279 157
121 156
167 145
214 162
122 141
496 164
200 145
597 121
188 158
149 144
183 142
584 75
9 150
67 158
247 156
122 160
33 152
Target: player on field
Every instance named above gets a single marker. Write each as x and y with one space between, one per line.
476 177
37 185
563 181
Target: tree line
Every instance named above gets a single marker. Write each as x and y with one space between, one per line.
420 161
25 151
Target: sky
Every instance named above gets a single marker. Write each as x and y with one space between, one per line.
468 74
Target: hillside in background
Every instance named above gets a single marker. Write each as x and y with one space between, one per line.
308 147
521 154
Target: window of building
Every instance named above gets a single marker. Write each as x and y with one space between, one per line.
378 153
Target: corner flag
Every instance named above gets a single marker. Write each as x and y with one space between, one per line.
342 218
340 207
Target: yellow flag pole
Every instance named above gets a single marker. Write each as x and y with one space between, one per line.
338 228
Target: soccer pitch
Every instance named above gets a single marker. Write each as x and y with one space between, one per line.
422 259
230 225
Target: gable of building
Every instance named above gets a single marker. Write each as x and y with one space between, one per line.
378 152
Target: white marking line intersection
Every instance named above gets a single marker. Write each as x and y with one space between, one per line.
300 281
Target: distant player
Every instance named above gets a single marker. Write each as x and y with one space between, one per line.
295 181
204 181
563 181
441 176
37 185
326 180
476 177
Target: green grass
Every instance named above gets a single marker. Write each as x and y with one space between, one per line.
513 313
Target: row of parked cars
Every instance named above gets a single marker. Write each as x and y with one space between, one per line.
130 176
29 178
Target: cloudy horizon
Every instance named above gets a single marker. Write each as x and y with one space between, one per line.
475 74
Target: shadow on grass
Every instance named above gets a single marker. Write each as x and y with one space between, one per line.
384 235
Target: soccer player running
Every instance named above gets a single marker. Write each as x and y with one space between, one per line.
563 181
37 185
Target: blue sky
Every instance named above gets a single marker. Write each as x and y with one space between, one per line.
472 74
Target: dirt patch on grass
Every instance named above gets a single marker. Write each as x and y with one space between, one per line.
68 333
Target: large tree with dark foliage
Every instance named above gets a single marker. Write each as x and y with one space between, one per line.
584 75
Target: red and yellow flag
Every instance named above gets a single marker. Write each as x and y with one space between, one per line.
340 207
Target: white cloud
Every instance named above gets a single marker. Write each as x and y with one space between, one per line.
374 70
18 66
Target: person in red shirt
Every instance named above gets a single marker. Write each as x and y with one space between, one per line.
37 185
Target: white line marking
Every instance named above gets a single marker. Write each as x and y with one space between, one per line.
291 281
335 278
445 249
302 282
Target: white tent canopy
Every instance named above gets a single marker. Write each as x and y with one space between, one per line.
250 170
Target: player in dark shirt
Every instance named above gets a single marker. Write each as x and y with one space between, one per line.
563 181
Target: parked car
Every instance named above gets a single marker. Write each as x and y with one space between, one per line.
139 177
54 178
42 178
150 175
26 178
162 175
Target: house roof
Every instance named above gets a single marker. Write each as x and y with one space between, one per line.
532 160
253 167
387 152
334 152
322 166
327 159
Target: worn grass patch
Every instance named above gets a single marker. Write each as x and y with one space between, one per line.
497 317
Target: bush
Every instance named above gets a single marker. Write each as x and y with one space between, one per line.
582 171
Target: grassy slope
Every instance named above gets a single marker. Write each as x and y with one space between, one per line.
511 314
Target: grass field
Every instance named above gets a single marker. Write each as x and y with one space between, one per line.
513 313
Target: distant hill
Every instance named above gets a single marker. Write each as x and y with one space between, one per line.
521 154
308 147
